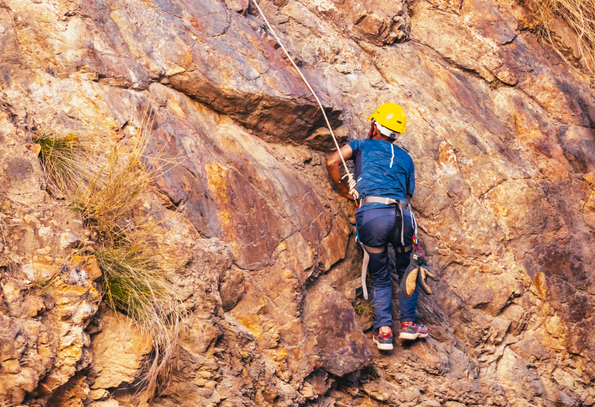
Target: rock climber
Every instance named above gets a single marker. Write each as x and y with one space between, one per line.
385 178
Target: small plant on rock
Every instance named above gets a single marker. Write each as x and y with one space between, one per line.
43 285
104 190
64 160
364 309
578 14
373 372
109 194
135 284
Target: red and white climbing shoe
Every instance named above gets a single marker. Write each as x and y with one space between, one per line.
411 331
384 341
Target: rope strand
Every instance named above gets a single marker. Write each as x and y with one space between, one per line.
351 182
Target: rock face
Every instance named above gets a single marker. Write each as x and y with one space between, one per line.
502 133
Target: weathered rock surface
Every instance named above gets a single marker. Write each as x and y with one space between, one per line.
502 133
114 365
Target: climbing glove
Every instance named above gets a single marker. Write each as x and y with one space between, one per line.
416 274
424 272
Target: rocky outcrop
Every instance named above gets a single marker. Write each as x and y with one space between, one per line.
502 133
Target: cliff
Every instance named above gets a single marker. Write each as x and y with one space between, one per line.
501 128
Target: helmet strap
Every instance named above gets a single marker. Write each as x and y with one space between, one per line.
372 129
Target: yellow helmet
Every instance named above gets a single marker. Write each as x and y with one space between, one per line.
391 116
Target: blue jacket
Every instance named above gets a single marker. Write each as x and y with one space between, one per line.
382 169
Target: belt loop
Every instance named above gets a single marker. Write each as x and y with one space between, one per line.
386 202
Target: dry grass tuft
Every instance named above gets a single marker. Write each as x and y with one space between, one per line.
64 160
580 16
107 196
43 285
105 190
135 284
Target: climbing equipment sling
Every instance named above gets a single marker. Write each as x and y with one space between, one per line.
350 180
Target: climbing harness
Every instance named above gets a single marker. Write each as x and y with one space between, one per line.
400 205
350 180
418 270
399 220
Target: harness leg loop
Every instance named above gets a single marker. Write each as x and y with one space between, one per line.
367 250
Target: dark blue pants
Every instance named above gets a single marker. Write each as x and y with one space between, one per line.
373 227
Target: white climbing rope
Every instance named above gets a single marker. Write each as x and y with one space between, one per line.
350 180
